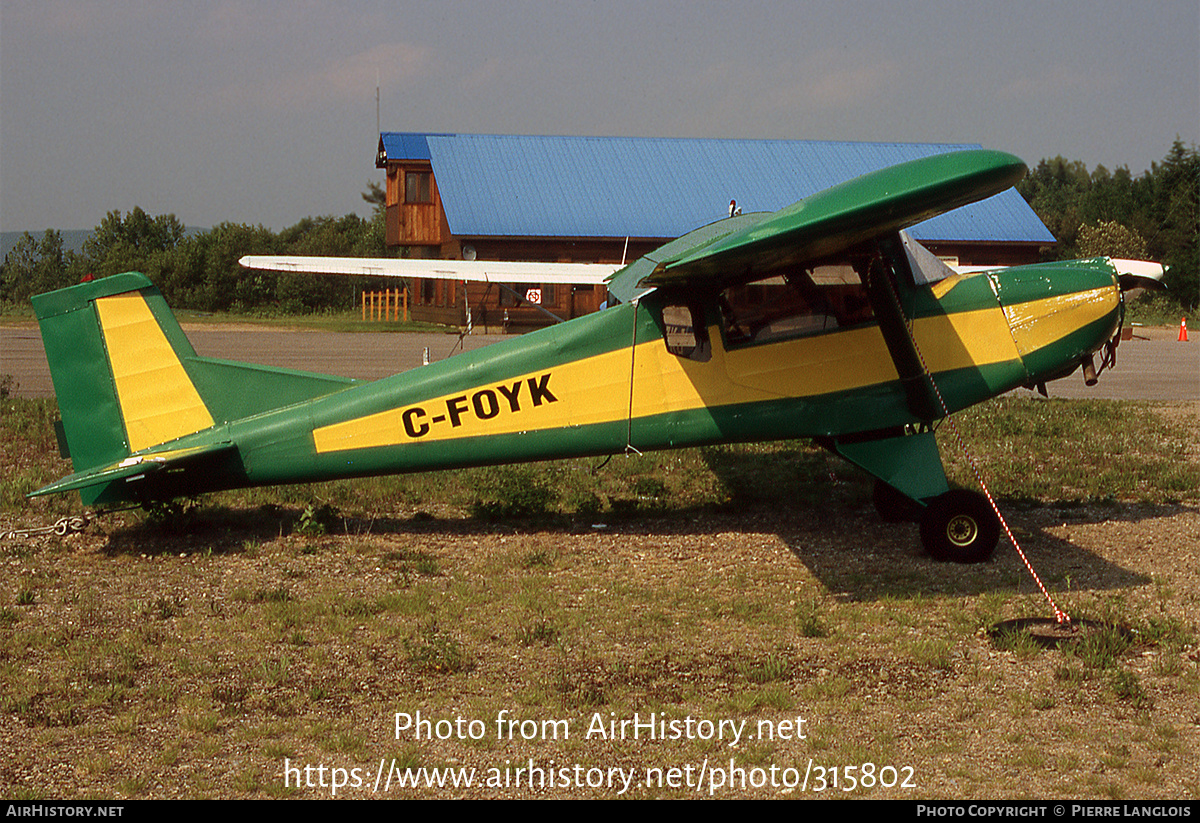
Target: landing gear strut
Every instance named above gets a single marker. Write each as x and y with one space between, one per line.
960 526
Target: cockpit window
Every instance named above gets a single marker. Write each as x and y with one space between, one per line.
812 301
684 332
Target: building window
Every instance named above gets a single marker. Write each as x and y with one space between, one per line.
417 188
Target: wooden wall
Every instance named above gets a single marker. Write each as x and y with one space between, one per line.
414 224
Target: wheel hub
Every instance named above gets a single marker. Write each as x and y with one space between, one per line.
962 530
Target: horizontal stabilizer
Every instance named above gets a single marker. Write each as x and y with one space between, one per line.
138 467
482 271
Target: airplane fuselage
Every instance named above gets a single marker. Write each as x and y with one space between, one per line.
609 382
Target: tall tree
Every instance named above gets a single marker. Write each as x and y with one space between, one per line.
130 242
1084 210
34 266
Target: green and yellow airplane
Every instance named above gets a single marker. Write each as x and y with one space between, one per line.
823 321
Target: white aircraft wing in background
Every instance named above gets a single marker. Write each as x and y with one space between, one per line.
484 271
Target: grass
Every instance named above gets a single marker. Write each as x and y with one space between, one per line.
330 321
189 653
1085 451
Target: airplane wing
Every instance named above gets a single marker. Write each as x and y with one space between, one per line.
484 271
876 204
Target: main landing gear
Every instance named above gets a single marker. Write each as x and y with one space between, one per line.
960 526
957 526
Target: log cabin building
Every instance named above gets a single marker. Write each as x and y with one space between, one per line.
613 199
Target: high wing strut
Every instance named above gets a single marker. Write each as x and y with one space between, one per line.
885 269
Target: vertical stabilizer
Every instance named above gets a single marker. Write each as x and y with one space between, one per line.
116 358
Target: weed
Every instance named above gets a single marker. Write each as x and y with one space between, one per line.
132 786
1127 686
809 620
357 607
248 780
1101 649
771 696
1168 665
230 695
769 669
540 632
584 502
315 521
164 608
172 516
433 650
1165 630
273 671
425 564
650 489
933 652
279 594
1017 642
747 609
26 597
1069 674
540 559
1115 756
414 561
580 680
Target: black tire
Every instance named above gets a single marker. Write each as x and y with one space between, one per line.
960 527
894 507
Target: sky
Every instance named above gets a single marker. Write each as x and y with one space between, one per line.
265 112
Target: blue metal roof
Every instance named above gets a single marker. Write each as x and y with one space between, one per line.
538 186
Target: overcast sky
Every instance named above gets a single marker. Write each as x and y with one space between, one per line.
256 112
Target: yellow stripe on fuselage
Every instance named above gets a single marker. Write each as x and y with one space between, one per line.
1040 323
157 399
596 389
579 393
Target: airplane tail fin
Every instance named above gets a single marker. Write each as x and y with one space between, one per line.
116 356
128 382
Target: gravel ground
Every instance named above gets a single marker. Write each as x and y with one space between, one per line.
144 661
152 664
